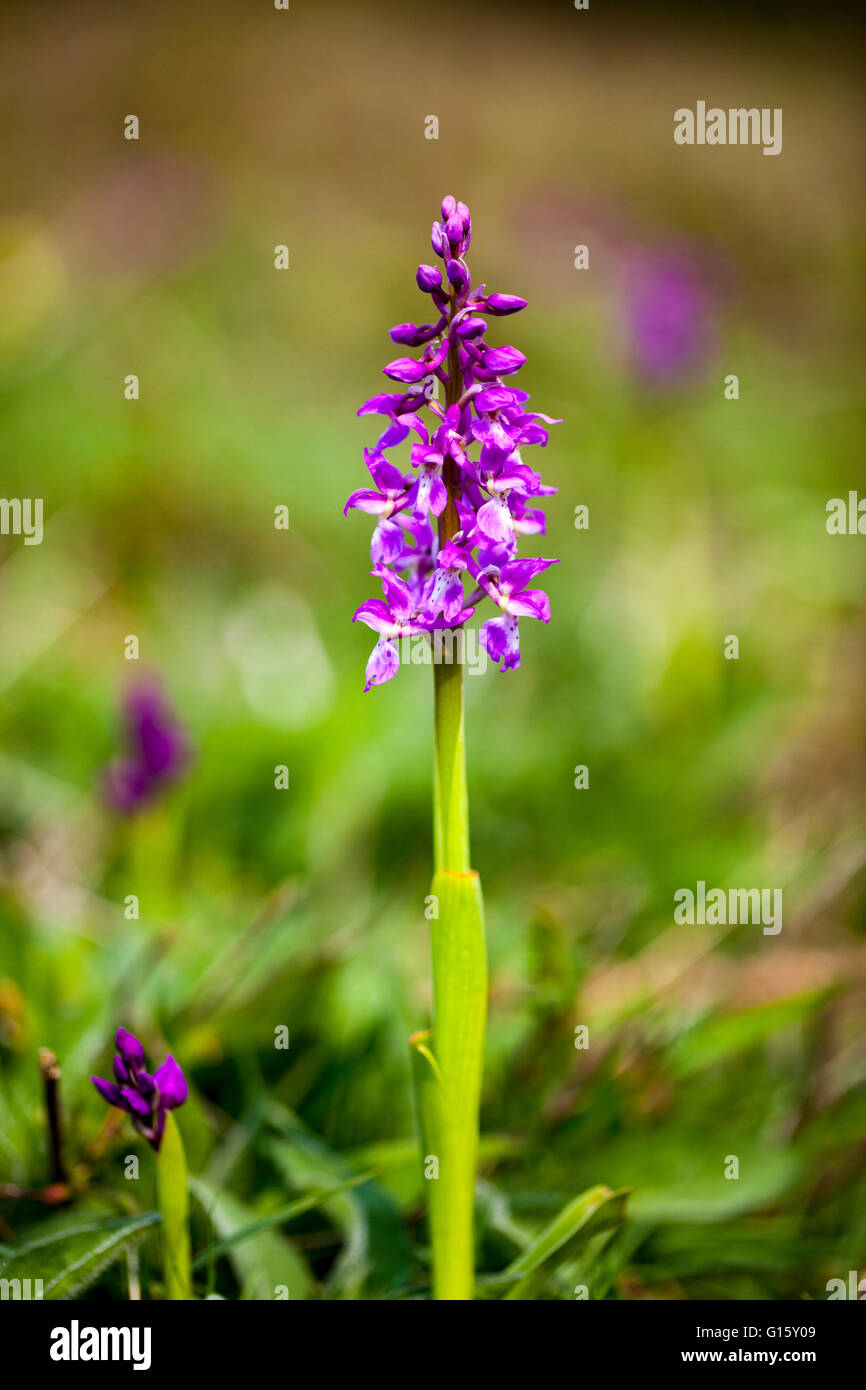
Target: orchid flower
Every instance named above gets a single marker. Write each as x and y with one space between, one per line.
467 458
456 518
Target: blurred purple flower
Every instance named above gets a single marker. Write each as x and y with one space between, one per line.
158 750
480 505
669 316
145 1098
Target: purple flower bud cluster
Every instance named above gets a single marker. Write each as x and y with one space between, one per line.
157 746
468 475
144 1097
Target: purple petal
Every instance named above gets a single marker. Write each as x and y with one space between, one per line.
366 500
414 422
505 303
501 639
398 595
540 415
438 239
444 595
495 521
531 603
394 434
463 616
144 1083
504 360
515 477
492 433
374 613
406 333
405 369
518 573
533 434
163 749
134 1103
387 544
130 1049
171 1084
428 278
388 479
454 228
108 1091
531 522
384 404
452 599
429 495
453 555
126 784
457 274
383 665
496 398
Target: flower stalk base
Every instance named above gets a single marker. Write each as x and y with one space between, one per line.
173 1202
451 1086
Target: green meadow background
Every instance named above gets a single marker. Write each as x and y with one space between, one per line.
304 908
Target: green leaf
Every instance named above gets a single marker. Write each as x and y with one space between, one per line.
71 1260
262 1262
375 1258
685 1185
495 1216
602 1260
318 1198
724 1036
451 1108
428 1090
598 1209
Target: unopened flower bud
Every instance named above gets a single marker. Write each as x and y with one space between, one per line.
428 278
501 304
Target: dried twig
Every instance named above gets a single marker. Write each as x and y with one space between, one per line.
50 1068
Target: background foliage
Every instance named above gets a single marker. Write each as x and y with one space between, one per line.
304 908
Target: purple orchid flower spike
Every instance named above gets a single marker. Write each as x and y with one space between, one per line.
158 750
457 518
145 1098
471 479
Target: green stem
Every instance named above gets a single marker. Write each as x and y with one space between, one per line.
173 1201
450 797
451 1097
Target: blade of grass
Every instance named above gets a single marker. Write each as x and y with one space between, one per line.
276 1218
597 1209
